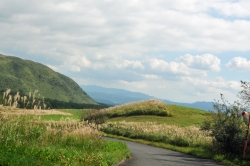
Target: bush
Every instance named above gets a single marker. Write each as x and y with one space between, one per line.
227 127
94 116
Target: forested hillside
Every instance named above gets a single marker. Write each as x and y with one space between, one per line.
27 76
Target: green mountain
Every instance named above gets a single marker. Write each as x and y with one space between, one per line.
26 76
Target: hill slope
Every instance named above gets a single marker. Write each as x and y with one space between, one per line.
177 115
26 76
112 96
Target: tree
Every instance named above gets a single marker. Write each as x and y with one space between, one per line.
228 128
244 95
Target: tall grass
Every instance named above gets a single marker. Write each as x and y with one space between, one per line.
33 100
190 136
29 141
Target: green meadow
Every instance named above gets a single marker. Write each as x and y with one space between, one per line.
181 116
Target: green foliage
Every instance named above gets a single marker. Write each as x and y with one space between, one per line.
94 116
228 128
26 76
26 141
244 94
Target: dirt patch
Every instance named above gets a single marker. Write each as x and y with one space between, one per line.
32 112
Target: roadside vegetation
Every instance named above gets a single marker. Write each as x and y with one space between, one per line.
216 135
150 131
220 139
28 140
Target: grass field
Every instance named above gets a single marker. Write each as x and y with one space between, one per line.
181 116
28 139
75 114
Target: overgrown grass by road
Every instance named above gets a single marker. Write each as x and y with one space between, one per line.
170 134
28 140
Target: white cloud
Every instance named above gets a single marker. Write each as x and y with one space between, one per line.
130 64
132 41
173 68
205 61
52 67
134 84
239 64
84 61
216 84
239 8
75 68
150 76
120 28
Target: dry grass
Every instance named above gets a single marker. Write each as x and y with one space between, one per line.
191 134
10 111
72 127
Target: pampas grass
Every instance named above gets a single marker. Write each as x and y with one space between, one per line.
151 131
33 100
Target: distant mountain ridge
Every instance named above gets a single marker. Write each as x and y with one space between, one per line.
26 76
112 96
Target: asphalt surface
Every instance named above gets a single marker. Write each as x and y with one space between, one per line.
146 155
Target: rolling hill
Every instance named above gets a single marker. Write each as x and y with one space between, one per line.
26 76
112 96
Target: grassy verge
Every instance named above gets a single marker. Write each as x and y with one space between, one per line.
29 141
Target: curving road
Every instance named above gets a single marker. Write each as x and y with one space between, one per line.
146 155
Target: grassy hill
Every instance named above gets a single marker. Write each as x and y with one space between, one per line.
26 76
177 115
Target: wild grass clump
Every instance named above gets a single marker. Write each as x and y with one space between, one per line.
150 107
190 136
29 141
15 100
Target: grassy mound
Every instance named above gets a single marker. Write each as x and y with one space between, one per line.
150 107
178 115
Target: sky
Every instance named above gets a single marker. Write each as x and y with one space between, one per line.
181 50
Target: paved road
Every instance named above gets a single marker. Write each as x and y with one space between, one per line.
145 155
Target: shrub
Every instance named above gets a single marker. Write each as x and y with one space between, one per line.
227 127
94 116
